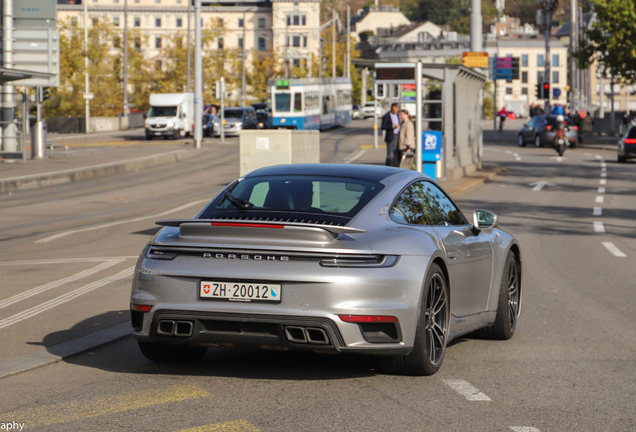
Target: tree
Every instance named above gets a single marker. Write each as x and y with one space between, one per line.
612 40
265 65
341 49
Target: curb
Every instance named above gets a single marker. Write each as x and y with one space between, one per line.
473 182
58 352
78 174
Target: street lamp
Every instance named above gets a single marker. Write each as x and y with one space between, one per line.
548 6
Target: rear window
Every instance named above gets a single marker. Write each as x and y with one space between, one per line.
228 114
281 196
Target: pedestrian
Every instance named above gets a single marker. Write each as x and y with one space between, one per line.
391 125
502 117
406 141
588 122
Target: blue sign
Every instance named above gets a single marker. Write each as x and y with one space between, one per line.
556 92
431 152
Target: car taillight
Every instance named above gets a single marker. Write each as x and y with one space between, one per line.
576 127
140 308
368 318
630 140
548 127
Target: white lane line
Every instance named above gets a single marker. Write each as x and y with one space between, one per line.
599 199
603 164
603 174
64 298
356 156
603 182
598 211
601 190
614 250
598 157
559 159
465 389
125 221
517 158
37 290
524 429
65 260
598 227
508 151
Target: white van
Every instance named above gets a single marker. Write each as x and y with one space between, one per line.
171 115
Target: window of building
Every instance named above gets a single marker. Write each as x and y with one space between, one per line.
137 42
74 20
555 59
115 1
116 21
95 21
219 21
524 60
524 77
157 22
157 41
296 41
220 43
137 22
539 59
508 90
136 1
240 42
296 20
303 20
540 77
158 65
555 77
157 1
179 22
116 42
296 63
524 91
262 44
261 23
241 22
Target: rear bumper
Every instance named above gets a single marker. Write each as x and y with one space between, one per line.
629 150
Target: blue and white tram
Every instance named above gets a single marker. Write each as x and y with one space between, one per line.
310 103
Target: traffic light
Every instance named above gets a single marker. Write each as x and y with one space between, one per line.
43 94
538 92
546 90
214 89
515 68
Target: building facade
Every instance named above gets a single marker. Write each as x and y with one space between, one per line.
290 27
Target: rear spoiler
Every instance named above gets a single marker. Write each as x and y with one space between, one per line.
334 229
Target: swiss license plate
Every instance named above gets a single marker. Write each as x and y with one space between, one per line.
240 291
157 133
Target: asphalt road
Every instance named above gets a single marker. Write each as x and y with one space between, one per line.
66 253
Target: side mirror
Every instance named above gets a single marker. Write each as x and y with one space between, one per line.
483 219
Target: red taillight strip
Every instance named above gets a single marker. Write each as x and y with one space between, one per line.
368 318
248 225
630 140
548 127
140 308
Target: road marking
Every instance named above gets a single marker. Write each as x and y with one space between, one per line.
231 426
603 181
587 154
66 233
603 164
465 389
65 260
559 158
355 156
598 211
599 199
539 185
508 151
37 290
614 250
79 410
524 429
36 310
603 174
371 146
598 227
603 169
517 158
598 157
601 190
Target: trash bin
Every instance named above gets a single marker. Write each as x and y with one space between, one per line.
38 140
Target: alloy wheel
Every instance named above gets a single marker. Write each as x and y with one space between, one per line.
513 293
537 141
436 319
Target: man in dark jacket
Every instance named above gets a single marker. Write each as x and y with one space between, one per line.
391 124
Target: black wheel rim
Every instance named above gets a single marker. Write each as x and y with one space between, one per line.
513 293
436 319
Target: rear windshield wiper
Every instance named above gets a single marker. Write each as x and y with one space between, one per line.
238 202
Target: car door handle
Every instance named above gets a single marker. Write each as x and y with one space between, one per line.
452 255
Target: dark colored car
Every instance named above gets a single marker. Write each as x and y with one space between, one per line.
540 131
263 115
627 145
236 119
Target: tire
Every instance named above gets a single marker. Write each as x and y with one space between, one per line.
622 159
509 302
561 149
573 144
431 334
149 137
537 141
520 141
168 353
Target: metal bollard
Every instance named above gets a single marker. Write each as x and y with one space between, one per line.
38 140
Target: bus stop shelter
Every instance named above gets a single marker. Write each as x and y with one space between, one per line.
447 101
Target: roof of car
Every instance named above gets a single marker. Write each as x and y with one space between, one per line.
362 172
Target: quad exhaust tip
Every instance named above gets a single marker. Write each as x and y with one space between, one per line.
175 328
304 335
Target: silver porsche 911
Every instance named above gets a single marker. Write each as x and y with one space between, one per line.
344 258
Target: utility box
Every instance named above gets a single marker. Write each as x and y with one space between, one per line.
267 147
38 140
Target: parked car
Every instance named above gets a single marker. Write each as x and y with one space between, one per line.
332 258
627 145
357 112
369 108
263 115
236 119
540 132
